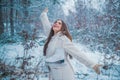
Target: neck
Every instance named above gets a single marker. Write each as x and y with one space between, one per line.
55 32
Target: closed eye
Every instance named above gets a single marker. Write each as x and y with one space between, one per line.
59 23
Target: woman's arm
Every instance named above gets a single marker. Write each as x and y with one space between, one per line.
71 49
45 22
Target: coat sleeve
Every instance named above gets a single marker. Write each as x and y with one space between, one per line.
45 22
71 49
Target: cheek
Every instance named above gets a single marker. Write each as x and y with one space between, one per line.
57 28
60 27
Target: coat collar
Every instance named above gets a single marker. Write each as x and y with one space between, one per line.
57 34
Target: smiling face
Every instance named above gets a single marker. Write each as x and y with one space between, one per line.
57 26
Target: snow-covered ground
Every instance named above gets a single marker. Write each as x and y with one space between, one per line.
11 54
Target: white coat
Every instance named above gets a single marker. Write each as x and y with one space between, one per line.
58 48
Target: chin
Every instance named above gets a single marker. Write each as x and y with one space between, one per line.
56 30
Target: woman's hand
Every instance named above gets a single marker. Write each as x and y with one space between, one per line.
45 10
97 68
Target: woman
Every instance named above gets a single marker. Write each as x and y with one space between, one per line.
58 49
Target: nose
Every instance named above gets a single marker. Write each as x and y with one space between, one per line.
56 23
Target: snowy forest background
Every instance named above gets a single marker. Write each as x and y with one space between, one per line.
94 25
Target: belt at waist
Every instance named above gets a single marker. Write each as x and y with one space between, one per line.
56 62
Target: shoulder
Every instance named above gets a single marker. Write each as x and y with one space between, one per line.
64 38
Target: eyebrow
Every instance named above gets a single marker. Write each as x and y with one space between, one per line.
58 21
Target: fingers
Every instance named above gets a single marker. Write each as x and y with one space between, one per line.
46 9
97 68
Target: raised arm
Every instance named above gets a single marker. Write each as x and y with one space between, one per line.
45 22
71 49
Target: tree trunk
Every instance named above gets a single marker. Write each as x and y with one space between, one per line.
1 20
25 6
11 18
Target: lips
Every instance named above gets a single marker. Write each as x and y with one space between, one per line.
55 26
